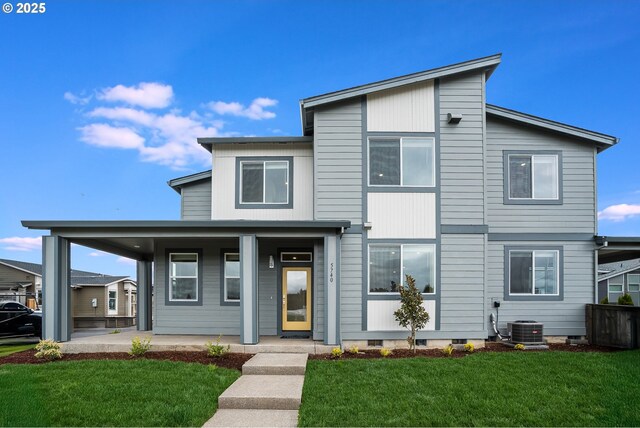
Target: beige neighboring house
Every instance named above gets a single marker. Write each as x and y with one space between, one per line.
97 300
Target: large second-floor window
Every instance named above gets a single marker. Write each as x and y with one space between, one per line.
264 182
406 161
533 177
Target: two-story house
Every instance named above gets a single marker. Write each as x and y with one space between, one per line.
313 234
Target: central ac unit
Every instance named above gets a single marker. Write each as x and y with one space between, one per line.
526 332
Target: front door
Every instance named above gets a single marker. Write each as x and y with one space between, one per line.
296 299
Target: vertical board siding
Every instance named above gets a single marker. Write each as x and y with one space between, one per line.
351 283
402 215
380 315
566 317
196 201
462 283
404 109
461 150
338 162
224 182
318 293
577 212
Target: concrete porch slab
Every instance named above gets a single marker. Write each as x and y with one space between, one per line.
253 418
276 364
273 392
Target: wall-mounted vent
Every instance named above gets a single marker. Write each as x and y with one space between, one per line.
526 332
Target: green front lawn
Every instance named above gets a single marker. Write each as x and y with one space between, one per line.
111 393
11 349
486 389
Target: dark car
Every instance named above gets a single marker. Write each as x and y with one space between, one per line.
18 320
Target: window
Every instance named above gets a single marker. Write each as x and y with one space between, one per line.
296 257
633 282
616 288
183 277
389 263
533 272
231 277
402 162
533 177
112 301
264 182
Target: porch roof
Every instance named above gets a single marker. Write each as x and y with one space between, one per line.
617 248
135 239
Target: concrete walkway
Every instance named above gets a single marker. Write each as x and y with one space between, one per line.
268 394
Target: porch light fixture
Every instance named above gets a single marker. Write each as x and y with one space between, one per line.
272 263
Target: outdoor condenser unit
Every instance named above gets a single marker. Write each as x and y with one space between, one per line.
526 332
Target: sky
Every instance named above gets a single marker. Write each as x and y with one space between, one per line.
101 102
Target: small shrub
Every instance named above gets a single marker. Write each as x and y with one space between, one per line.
48 350
353 349
604 301
139 346
468 347
216 349
336 352
448 350
625 299
385 352
519 347
116 331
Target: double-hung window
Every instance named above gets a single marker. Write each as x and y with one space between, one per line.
264 183
406 161
534 272
112 302
183 277
532 178
389 263
231 277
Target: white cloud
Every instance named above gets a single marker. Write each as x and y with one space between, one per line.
146 94
125 114
255 111
16 243
98 254
77 99
619 212
102 135
126 261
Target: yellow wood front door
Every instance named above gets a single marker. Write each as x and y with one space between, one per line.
296 298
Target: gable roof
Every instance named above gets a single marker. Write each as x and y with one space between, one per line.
602 141
609 270
177 183
488 63
78 277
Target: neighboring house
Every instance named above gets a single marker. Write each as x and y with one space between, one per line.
313 234
97 300
618 278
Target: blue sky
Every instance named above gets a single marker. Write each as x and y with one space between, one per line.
101 101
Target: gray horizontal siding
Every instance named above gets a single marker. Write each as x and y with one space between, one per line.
461 150
196 201
462 283
564 317
577 212
351 283
338 162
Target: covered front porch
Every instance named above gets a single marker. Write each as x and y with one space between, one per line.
238 290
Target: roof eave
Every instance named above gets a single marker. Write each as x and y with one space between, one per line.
208 143
177 183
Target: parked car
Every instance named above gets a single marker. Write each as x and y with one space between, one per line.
18 320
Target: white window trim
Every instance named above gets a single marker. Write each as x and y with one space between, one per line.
224 267
629 283
402 278
296 261
621 285
533 276
433 156
533 182
112 287
264 181
171 299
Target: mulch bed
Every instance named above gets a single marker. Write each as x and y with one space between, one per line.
229 361
235 361
437 353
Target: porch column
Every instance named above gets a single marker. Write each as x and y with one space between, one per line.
332 291
56 291
248 290
144 303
